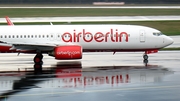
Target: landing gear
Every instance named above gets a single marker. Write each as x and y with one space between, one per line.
38 58
145 61
145 56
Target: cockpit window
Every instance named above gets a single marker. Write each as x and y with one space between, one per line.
157 33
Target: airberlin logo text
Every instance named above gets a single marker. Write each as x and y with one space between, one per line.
111 35
70 53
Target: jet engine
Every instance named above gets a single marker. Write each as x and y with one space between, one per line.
67 52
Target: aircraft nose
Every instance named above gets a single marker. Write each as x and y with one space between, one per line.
168 41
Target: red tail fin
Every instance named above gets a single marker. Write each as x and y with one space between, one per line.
9 21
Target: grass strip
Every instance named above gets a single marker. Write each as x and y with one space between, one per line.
167 27
170 49
80 5
58 12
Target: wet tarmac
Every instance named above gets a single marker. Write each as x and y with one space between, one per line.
97 77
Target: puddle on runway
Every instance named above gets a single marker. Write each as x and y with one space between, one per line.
70 77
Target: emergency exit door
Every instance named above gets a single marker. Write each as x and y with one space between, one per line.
142 37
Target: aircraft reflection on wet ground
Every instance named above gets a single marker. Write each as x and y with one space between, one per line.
70 76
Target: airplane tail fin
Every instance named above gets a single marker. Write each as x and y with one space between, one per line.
9 21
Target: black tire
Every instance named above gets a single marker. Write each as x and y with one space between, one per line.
145 57
145 61
37 60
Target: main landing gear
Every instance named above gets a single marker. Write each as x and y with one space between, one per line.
38 63
38 58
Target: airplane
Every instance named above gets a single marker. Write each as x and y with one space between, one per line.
67 42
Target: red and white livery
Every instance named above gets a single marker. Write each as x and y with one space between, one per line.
66 42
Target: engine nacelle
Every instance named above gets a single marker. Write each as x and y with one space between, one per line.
67 52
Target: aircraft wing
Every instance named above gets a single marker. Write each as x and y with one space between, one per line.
36 46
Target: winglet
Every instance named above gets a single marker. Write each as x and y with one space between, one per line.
9 21
51 23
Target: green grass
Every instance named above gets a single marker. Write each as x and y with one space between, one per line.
84 12
167 27
66 4
169 49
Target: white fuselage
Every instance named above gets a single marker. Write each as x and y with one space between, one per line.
90 37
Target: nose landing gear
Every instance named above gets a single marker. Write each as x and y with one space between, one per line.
145 56
145 61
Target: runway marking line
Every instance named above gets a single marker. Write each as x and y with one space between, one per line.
104 90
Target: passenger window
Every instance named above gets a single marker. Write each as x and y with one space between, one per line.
9 36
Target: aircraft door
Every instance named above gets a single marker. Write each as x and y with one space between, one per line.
142 37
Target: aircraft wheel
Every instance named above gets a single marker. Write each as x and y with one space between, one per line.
145 61
145 56
38 59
